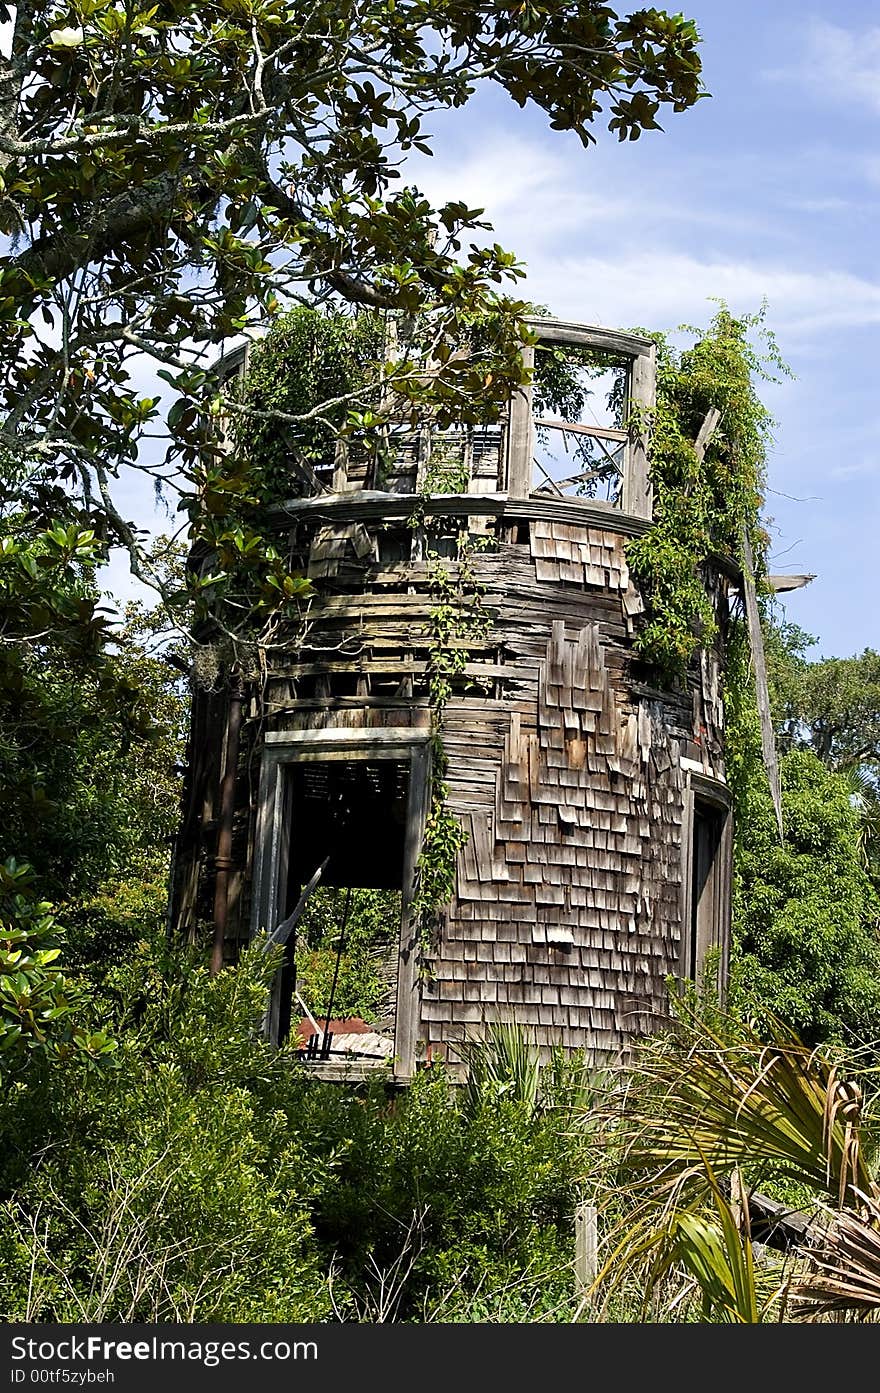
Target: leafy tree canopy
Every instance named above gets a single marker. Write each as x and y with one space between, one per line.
831 706
170 173
90 722
42 1012
806 914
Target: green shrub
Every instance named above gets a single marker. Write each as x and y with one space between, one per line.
209 1177
174 1187
471 1202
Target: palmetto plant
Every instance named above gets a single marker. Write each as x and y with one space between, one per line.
842 1276
713 1103
716 1251
505 1062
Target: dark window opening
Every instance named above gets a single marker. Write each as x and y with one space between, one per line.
706 927
394 544
445 541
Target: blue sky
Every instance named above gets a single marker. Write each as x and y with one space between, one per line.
769 188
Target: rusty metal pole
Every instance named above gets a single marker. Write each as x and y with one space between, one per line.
223 859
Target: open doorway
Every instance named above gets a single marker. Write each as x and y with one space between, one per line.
349 816
346 960
352 804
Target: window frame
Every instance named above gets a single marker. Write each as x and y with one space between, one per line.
715 797
636 495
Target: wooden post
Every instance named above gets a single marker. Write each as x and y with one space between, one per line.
223 859
638 495
762 692
408 988
521 436
586 1245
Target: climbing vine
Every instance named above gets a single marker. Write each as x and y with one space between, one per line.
459 621
702 507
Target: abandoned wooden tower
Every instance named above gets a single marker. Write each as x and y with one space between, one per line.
597 860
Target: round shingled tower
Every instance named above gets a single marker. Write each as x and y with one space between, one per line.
597 854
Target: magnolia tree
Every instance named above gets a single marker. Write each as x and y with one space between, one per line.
172 174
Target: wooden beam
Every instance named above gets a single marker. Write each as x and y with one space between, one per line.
281 933
583 428
780 584
370 505
711 422
591 336
762 692
408 984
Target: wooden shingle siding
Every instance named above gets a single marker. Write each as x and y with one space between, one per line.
567 769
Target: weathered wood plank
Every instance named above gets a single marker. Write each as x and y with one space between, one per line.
759 664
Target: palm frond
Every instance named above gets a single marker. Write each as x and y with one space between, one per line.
504 1064
723 1093
842 1275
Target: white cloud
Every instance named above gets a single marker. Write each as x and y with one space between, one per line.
524 185
663 288
636 255
866 466
838 63
819 205
549 193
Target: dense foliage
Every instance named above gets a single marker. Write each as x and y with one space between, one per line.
91 722
343 941
807 916
305 360
171 175
807 911
206 1177
43 1013
703 507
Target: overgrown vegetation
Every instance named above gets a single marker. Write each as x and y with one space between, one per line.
702 508
307 359
160 1162
806 945
157 1160
206 1176
711 1114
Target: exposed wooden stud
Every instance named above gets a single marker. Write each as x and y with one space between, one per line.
711 422
637 489
520 435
